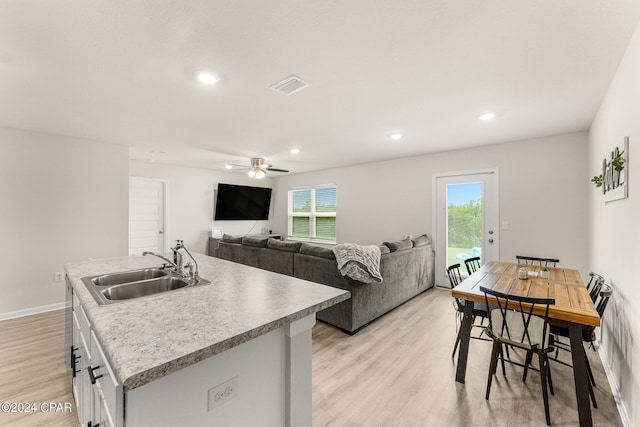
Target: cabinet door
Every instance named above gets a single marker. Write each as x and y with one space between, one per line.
96 408
80 381
105 418
98 402
77 364
100 413
86 401
110 388
68 326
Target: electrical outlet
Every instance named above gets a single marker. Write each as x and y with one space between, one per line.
58 276
222 393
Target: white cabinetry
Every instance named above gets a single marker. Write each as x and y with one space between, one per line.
81 361
270 377
108 398
97 393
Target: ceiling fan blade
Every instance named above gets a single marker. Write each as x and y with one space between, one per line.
236 167
277 170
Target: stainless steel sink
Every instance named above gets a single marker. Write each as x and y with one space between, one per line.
141 289
121 286
128 276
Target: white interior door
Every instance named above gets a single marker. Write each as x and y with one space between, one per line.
146 215
466 219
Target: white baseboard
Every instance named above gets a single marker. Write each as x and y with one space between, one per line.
30 311
615 390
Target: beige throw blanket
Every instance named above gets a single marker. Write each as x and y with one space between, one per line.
361 263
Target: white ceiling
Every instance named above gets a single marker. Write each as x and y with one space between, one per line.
123 72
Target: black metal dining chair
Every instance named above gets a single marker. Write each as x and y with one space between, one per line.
472 264
595 284
595 290
532 260
512 323
588 336
479 309
593 278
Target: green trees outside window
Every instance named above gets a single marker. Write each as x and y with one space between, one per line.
312 213
465 224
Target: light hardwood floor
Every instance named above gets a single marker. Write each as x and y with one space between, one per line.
32 369
396 372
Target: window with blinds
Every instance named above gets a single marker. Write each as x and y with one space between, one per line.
312 213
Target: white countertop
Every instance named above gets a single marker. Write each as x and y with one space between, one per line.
148 338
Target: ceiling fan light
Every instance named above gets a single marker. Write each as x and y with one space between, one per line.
260 174
251 173
207 78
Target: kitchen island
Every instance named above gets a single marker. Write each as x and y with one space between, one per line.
236 351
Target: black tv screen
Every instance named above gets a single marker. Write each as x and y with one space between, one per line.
241 202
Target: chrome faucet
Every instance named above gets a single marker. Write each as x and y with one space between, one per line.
178 261
171 263
193 273
177 257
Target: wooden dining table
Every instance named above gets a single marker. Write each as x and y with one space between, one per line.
573 308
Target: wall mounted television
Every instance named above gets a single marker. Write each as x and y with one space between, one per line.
241 202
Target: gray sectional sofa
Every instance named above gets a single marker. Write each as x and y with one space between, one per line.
407 268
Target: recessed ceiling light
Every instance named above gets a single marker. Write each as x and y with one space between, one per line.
486 116
228 167
295 150
207 78
396 136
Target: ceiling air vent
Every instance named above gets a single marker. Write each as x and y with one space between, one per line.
290 85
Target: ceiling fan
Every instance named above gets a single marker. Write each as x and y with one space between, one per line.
257 169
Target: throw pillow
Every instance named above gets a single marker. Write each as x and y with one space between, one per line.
399 245
284 246
258 242
384 249
231 239
421 241
318 251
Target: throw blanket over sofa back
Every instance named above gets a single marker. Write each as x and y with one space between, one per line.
406 268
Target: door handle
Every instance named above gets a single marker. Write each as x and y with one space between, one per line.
490 240
92 377
161 232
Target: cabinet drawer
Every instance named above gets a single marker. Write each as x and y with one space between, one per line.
111 389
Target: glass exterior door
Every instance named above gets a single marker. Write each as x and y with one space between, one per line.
465 219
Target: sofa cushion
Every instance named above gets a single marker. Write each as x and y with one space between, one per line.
399 245
317 251
284 246
231 239
421 241
258 242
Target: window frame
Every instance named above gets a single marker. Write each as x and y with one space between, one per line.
312 214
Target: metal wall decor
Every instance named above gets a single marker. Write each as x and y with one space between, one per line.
614 178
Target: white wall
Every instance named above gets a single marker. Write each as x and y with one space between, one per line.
614 229
190 201
62 199
542 195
